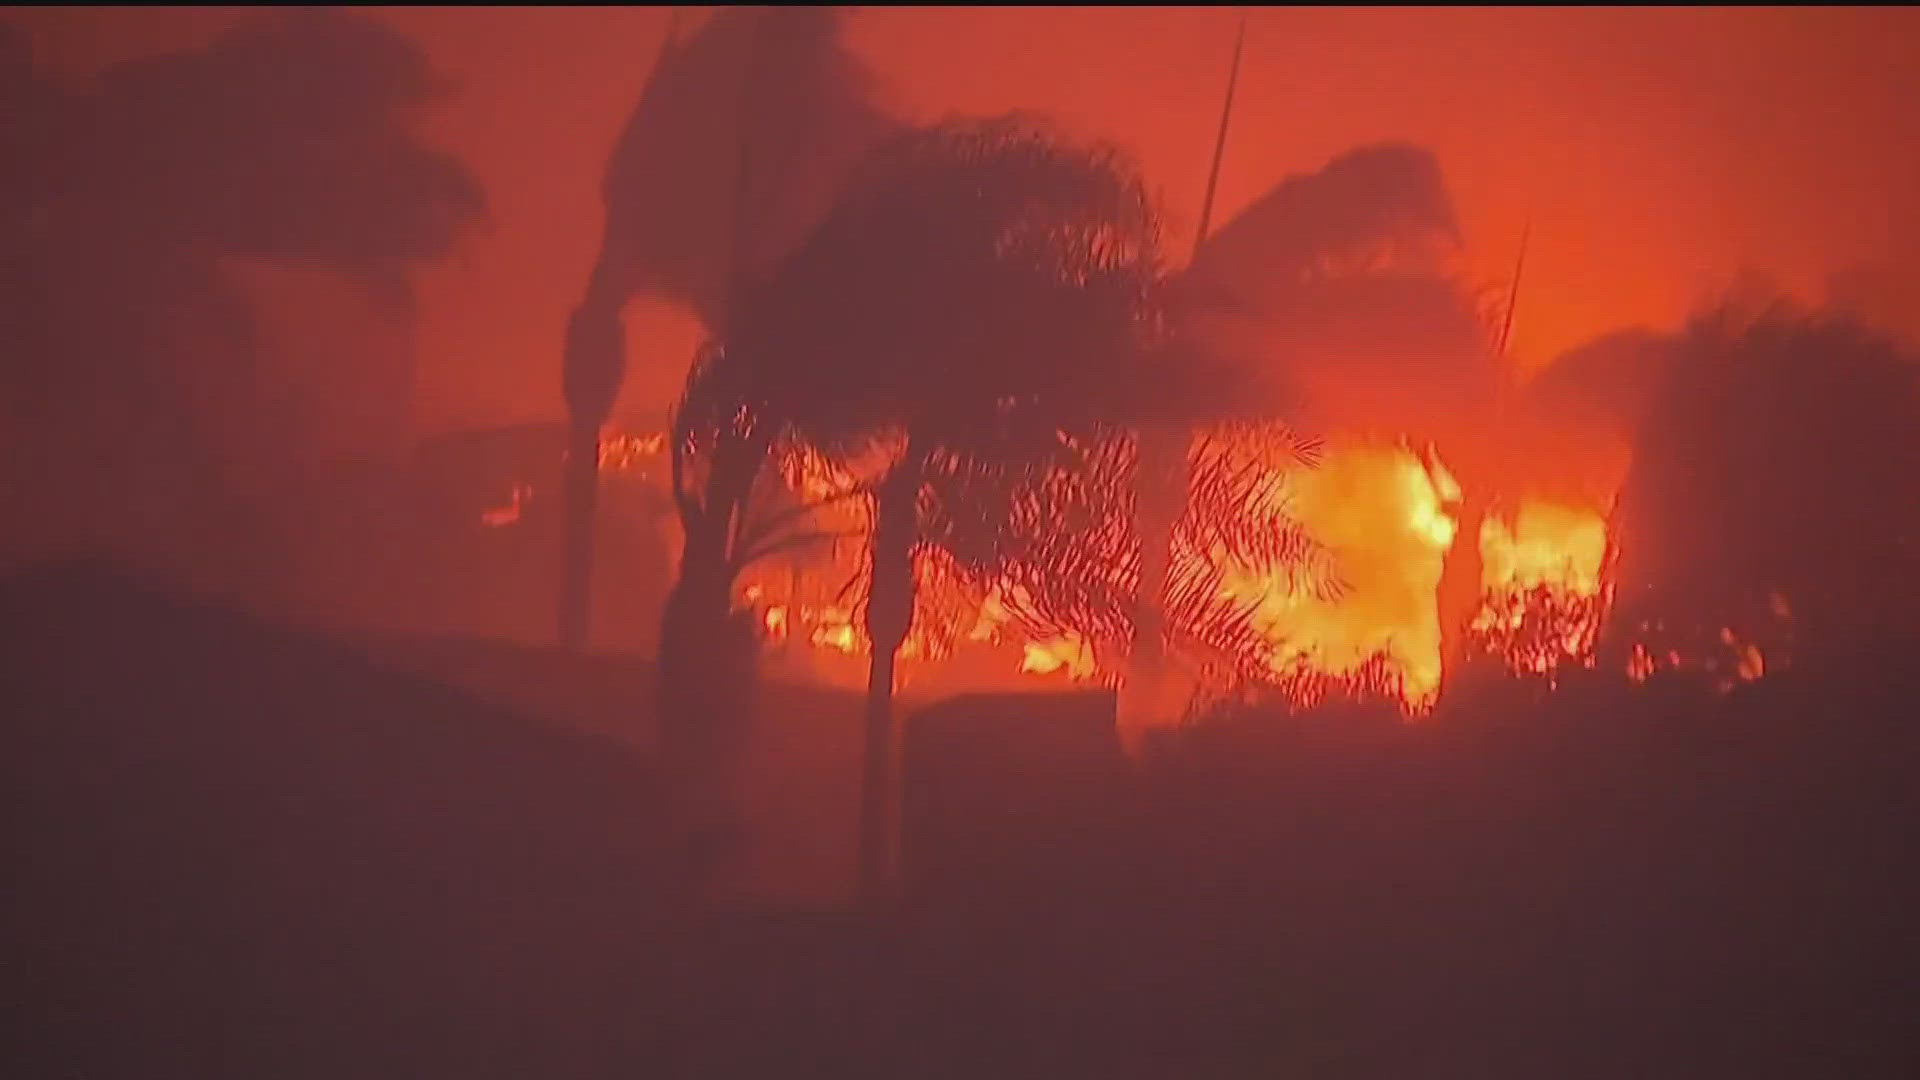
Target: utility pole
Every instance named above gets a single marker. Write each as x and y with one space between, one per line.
1513 290
1163 477
1220 140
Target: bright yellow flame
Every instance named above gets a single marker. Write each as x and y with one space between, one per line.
1543 587
1547 544
1069 653
1444 484
1381 512
835 636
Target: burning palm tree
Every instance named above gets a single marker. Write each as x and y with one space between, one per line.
1336 286
1308 275
974 329
944 322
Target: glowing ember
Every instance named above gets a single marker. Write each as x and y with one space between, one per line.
1749 664
621 452
1641 663
501 516
618 453
1726 657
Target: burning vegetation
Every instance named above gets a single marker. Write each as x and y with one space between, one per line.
1546 586
963 411
1304 572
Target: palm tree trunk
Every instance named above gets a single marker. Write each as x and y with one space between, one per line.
706 688
878 781
693 671
890 598
1161 484
593 368
1162 480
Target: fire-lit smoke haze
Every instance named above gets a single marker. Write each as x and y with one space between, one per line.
988 541
1657 152
1364 246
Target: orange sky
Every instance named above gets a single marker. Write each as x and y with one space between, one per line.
1658 151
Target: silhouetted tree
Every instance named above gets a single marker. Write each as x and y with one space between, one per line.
735 148
1605 385
1772 459
947 315
982 313
734 509
1162 477
742 136
132 353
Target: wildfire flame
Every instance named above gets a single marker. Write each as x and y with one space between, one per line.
622 452
1071 654
1544 587
1386 518
1382 512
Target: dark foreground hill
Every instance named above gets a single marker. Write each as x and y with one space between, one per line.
1613 881
240 851
799 791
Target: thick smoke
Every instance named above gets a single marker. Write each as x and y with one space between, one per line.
736 148
154 416
1606 385
1340 285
